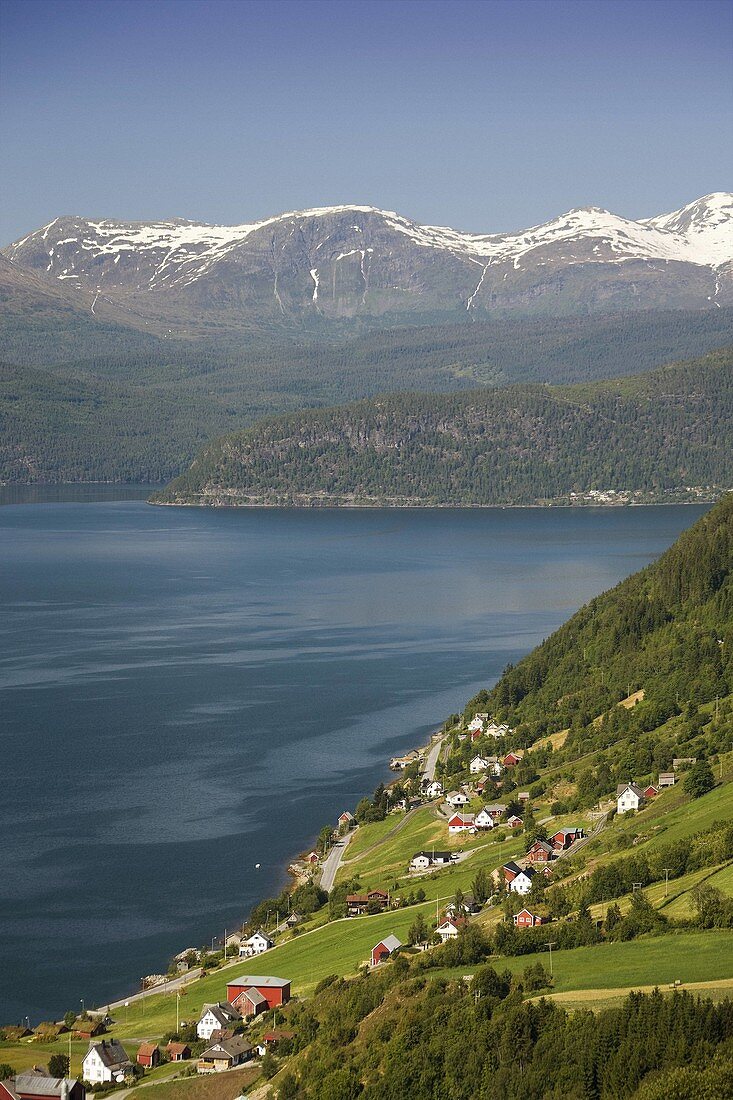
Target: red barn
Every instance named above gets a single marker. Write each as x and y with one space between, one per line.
651 791
525 919
148 1055
384 949
512 759
276 991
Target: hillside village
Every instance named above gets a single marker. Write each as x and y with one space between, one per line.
522 857
603 847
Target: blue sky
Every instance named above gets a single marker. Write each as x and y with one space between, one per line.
485 116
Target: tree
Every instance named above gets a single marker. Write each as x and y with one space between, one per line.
482 886
6 1071
324 839
700 779
58 1065
268 1065
418 932
288 1088
70 1019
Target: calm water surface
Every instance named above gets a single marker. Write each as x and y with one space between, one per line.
186 693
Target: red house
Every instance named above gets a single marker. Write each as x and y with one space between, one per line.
651 791
512 759
358 903
384 949
276 991
540 852
564 838
178 1052
525 919
511 870
148 1055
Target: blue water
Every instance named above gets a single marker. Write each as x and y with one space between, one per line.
186 693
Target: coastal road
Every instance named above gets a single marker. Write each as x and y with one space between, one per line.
332 862
431 760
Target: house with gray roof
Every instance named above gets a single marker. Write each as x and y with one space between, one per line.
217 1017
629 796
226 1054
106 1061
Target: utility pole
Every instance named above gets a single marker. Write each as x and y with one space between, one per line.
549 947
666 879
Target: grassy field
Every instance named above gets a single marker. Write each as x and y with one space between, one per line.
214 1086
650 961
689 816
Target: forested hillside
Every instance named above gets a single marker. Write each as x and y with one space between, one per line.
157 400
664 435
666 631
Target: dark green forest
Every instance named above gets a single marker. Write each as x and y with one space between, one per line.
658 435
86 400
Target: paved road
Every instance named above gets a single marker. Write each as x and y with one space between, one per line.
432 758
332 862
168 987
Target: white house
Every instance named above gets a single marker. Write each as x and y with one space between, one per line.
522 883
106 1061
478 764
476 723
628 797
449 929
256 944
434 789
461 823
483 819
421 861
497 729
457 798
216 1018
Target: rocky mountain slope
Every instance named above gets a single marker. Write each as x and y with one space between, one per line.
340 263
666 435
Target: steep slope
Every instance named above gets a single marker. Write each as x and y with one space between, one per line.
339 263
665 435
667 631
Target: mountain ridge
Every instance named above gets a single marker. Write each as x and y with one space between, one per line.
343 262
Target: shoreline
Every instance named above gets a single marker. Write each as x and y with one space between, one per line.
404 506
179 981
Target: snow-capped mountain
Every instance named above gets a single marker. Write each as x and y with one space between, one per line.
346 261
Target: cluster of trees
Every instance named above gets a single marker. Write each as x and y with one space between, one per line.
305 899
464 1040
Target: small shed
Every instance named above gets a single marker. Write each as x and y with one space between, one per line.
148 1055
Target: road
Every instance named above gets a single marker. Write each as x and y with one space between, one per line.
431 760
332 862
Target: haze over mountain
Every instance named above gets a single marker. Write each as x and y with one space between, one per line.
351 262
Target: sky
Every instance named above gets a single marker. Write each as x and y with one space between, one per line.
486 116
